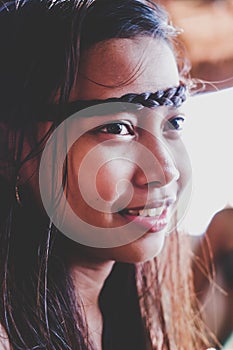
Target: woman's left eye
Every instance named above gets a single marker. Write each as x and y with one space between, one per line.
117 128
175 123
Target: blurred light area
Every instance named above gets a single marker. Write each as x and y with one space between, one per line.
208 136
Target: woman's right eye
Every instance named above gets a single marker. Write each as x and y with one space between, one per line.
117 128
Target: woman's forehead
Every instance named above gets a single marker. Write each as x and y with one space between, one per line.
119 66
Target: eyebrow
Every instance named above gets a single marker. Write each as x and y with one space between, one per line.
171 97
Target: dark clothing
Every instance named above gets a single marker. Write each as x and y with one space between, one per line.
123 327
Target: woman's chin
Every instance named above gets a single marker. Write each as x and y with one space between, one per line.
141 250
145 248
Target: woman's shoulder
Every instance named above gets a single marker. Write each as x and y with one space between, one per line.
4 342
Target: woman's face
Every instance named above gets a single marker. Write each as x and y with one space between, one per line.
126 170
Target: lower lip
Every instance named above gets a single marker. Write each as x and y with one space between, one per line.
151 224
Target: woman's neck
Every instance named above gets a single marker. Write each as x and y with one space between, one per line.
88 279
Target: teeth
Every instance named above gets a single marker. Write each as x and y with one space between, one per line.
147 212
151 212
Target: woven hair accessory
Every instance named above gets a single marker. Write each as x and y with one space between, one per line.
171 97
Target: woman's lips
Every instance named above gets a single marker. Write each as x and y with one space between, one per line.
150 223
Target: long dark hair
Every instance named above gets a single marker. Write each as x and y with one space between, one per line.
41 42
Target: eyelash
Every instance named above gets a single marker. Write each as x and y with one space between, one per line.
172 124
109 129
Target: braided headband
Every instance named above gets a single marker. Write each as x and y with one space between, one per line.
172 97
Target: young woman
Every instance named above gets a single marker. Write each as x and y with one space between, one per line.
92 174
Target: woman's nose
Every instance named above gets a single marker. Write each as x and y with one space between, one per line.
156 164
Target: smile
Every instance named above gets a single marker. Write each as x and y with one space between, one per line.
152 219
151 212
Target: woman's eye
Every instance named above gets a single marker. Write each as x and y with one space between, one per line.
175 123
122 129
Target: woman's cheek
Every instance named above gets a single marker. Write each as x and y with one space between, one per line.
185 168
99 174
182 162
113 179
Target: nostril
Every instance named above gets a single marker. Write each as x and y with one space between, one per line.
154 184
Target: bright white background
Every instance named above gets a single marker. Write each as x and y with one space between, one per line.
208 136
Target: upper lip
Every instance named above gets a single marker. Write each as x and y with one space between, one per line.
166 202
